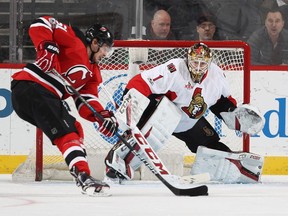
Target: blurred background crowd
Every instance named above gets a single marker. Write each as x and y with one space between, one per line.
157 19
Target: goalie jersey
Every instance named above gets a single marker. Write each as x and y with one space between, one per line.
173 80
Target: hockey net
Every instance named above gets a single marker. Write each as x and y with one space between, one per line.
128 59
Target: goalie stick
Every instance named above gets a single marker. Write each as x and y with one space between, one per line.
177 190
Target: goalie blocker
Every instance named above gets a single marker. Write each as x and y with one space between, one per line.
121 163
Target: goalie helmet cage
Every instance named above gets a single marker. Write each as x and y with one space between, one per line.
128 59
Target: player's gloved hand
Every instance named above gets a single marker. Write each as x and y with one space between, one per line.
47 52
109 126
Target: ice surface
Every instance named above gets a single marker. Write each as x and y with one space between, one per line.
143 199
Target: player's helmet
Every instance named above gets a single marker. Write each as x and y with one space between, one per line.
199 58
101 33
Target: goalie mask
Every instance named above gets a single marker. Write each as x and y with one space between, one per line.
198 60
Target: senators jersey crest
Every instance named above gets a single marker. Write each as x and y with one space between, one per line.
197 106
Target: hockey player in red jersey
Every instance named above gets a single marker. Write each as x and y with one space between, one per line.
37 93
193 85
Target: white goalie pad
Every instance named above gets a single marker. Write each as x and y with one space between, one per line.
245 118
158 128
228 167
162 123
133 105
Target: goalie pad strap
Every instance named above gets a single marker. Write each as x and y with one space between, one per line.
237 124
244 171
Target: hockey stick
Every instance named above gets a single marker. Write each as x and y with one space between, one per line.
194 191
103 87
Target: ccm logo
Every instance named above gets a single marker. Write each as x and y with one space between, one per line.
125 104
255 157
151 154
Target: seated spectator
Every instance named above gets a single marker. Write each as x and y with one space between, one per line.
281 4
160 27
206 28
269 44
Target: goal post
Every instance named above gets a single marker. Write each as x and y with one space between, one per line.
128 59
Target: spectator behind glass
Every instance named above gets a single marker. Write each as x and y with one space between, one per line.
269 44
206 28
160 27
281 4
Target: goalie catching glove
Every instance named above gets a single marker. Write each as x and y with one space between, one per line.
109 126
47 52
245 118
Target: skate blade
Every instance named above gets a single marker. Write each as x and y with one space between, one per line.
91 192
116 181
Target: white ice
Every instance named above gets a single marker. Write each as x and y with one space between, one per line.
143 199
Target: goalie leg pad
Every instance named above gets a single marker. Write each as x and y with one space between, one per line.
228 167
157 129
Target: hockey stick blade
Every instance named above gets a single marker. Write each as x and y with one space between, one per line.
194 191
178 190
201 190
158 168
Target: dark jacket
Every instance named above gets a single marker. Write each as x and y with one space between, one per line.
262 50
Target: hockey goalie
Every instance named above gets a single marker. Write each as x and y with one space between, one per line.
171 99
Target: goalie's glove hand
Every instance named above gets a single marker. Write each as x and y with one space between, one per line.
47 52
109 126
245 118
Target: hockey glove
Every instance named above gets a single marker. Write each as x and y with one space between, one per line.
109 126
47 52
245 118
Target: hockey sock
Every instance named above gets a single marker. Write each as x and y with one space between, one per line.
73 151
